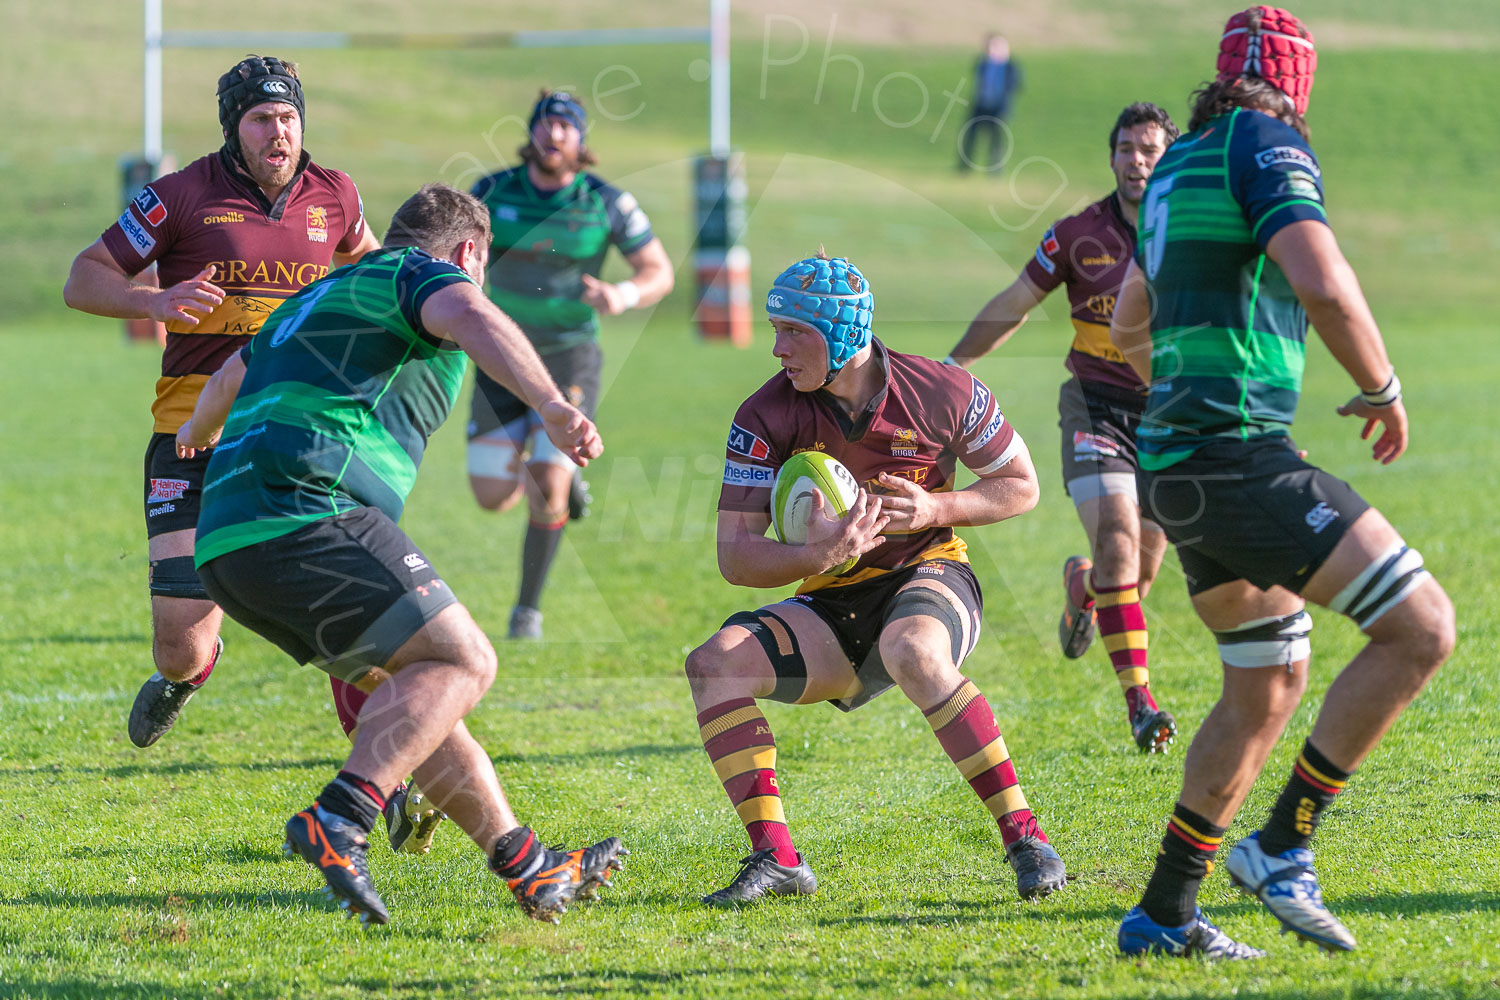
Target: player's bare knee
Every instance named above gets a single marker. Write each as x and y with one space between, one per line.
495 494
1421 633
482 663
727 665
475 656
710 662
1284 693
181 648
904 650
925 636
1436 631
1442 626
548 508
179 657
699 666
918 659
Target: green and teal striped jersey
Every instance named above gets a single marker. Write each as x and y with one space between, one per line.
343 386
545 241
1228 336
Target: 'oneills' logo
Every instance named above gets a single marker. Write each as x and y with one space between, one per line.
212 220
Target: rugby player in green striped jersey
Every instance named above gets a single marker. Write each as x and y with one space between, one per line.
1235 259
553 223
324 418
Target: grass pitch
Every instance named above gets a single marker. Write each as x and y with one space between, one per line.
150 874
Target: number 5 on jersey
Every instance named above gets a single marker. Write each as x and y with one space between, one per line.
1154 229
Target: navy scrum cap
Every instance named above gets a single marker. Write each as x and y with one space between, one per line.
559 104
256 80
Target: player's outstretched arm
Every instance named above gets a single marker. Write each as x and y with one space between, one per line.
747 558
203 428
97 284
651 281
1130 329
1010 490
1000 317
1325 284
461 313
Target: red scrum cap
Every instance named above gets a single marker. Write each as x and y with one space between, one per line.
1272 44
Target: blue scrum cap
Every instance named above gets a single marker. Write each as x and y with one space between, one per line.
830 295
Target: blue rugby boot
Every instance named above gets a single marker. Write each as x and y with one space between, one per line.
1140 935
1288 886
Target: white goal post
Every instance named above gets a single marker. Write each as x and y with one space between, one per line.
715 34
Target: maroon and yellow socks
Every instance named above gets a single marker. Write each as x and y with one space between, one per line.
739 743
537 552
213 661
966 728
1314 782
347 701
1122 626
1185 857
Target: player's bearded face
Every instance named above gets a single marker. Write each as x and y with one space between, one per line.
1137 148
557 144
803 354
271 143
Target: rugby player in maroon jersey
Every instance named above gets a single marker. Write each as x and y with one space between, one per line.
905 614
1100 406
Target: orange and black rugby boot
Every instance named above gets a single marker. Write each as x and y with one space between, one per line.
336 847
1075 630
559 876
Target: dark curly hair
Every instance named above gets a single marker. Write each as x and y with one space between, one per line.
1141 113
1222 96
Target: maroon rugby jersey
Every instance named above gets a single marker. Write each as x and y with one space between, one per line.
928 417
1089 252
210 213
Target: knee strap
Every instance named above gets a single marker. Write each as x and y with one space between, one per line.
780 645
1382 585
175 577
1267 642
926 602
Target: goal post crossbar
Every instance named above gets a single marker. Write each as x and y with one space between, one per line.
431 40
714 36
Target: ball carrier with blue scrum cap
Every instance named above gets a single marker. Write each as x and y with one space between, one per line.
1236 257
906 609
553 224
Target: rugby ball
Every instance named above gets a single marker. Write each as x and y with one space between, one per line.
792 496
